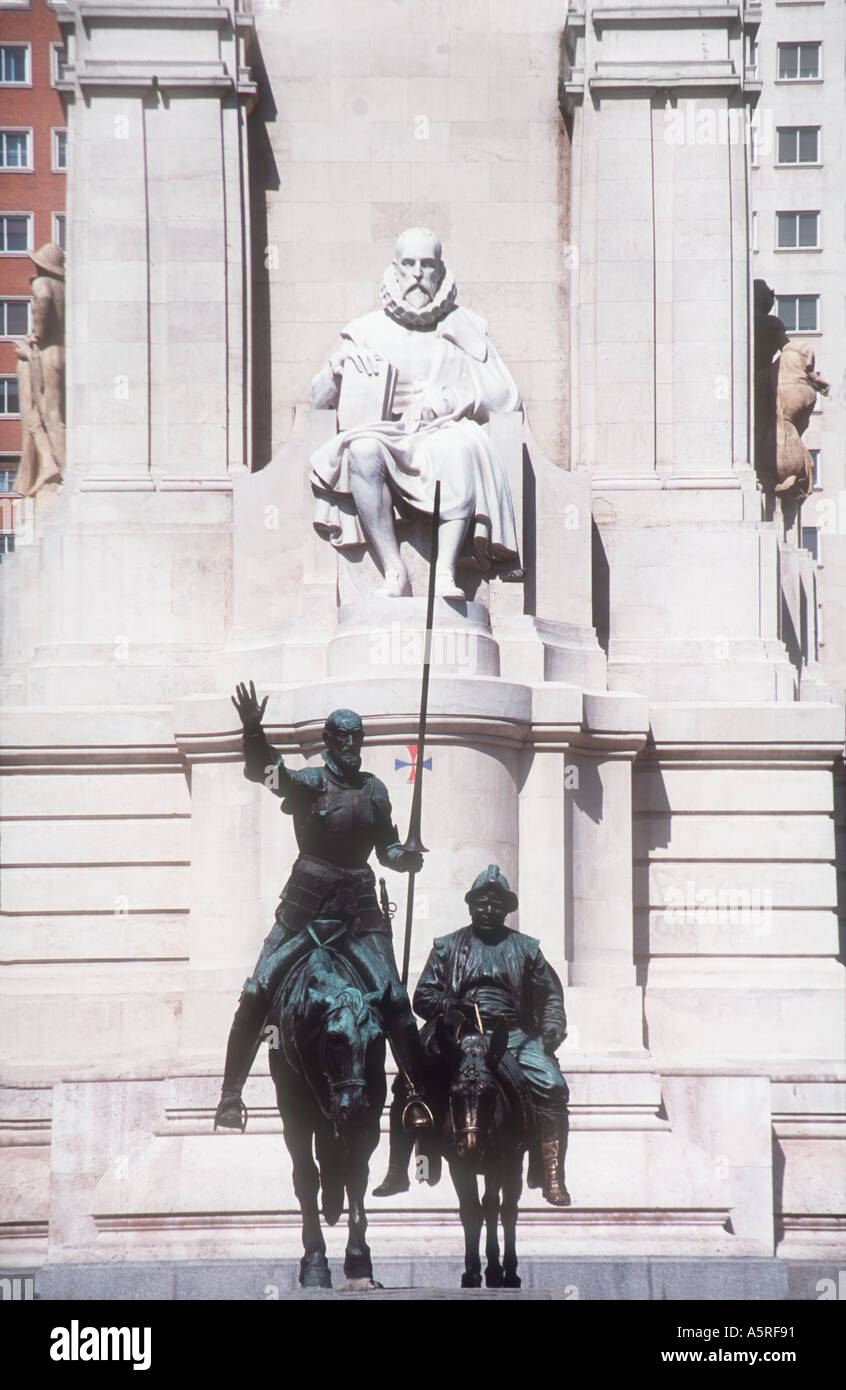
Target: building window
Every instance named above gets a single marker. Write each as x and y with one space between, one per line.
14 318
798 144
797 230
14 64
8 475
798 62
59 229
60 151
15 149
817 462
7 543
10 404
799 312
15 233
58 63
811 541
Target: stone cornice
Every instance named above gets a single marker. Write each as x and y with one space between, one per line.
141 13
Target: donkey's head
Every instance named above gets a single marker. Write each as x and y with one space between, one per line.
474 1090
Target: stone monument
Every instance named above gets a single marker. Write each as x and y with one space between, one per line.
446 379
640 733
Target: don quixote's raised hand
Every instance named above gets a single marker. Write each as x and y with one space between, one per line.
249 710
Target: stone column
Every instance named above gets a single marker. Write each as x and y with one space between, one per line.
605 993
158 348
659 106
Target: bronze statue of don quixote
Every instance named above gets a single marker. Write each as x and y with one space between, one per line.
478 1086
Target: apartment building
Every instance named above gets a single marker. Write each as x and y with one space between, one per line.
33 160
797 183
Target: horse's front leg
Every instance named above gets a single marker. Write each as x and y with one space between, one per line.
470 1210
314 1267
358 1266
490 1210
512 1186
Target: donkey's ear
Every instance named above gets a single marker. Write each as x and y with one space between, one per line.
498 1042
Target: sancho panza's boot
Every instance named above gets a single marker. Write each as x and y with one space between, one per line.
553 1130
244 1039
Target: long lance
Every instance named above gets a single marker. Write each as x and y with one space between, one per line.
414 841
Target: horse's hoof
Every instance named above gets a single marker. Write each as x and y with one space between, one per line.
360 1286
358 1267
314 1272
493 1279
512 1281
471 1281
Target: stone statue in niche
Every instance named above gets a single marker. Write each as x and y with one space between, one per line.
413 384
786 388
41 376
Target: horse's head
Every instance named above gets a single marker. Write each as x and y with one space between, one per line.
350 1026
474 1090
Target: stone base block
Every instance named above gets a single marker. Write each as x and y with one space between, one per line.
617 1279
387 636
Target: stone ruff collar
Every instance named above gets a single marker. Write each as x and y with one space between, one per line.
439 306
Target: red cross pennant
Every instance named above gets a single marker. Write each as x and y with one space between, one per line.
412 751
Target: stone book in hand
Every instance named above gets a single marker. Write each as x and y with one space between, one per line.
365 399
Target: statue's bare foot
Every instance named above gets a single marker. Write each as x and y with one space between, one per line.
445 585
396 585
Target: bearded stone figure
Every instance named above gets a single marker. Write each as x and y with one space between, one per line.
413 383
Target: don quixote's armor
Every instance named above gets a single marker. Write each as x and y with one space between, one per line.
340 815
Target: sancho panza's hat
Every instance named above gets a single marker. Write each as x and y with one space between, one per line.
492 881
51 258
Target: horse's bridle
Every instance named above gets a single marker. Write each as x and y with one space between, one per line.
349 1085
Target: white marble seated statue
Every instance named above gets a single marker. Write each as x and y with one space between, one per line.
413 383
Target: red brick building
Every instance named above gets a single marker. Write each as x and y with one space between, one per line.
33 157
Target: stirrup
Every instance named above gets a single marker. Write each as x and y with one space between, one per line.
243 1113
428 1120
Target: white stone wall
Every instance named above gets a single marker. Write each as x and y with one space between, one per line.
444 114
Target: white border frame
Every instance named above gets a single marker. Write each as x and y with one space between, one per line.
796 212
799 43
55 166
16 212
802 294
19 130
6 415
16 299
27 82
800 163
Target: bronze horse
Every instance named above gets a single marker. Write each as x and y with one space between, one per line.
329 1073
483 1133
